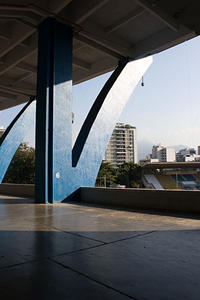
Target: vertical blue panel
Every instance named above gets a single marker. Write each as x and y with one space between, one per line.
15 134
62 110
42 106
53 121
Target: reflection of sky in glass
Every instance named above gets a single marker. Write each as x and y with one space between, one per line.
166 110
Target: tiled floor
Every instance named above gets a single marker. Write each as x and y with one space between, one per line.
72 251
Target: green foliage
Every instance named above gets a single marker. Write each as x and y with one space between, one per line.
107 174
22 166
129 174
127 126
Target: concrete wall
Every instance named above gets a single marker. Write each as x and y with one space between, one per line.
162 200
20 190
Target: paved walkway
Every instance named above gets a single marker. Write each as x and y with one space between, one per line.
69 251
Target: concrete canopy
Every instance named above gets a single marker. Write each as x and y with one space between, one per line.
104 32
172 165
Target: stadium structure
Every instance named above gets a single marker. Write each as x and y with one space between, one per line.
177 175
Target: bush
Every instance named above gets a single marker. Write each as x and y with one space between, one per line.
22 166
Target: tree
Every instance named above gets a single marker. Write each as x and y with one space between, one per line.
129 174
22 166
106 175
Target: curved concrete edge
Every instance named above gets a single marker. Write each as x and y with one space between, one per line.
144 199
18 190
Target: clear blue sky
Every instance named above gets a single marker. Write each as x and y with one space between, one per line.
166 110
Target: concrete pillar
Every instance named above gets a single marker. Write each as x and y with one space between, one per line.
53 109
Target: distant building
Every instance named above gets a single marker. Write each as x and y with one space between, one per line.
167 155
163 154
1 131
155 151
122 146
198 150
187 154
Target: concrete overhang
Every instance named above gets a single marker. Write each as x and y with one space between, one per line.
172 165
105 31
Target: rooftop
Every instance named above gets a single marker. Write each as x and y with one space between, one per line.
80 251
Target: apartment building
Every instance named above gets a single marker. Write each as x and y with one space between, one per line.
122 146
1 131
163 154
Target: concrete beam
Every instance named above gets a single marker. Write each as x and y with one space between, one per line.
92 43
7 95
161 40
20 32
26 67
25 17
18 91
96 69
58 5
81 64
96 34
5 32
22 78
159 14
85 9
124 20
17 55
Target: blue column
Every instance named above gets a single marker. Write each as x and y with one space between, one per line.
53 109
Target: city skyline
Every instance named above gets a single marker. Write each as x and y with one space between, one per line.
161 153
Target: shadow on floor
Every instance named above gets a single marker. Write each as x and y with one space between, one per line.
60 265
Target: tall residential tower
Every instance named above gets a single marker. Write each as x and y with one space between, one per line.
1 131
122 146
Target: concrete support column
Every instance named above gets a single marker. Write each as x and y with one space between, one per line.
53 109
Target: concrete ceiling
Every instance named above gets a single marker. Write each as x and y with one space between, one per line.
104 32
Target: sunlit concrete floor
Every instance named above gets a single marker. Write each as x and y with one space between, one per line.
75 251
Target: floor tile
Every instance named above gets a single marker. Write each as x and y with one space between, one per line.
161 265
20 246
48 281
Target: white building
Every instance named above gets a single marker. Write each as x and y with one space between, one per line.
1 131
122 146
163 154
187 154
167 154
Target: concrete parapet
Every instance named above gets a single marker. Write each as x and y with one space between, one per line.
144 199
19 190
162 200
